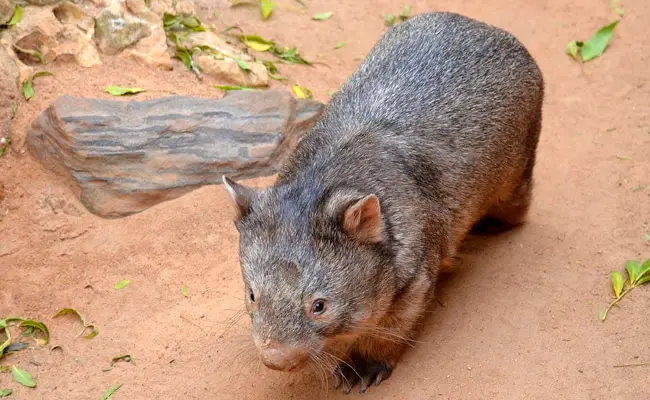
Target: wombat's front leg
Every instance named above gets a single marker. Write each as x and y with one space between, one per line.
370 364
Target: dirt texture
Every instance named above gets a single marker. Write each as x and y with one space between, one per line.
517 320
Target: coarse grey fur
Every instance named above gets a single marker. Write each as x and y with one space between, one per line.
441 123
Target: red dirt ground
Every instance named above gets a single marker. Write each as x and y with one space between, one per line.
520 316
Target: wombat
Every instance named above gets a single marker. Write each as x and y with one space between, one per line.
435 132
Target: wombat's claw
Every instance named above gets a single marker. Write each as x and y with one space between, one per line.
365 372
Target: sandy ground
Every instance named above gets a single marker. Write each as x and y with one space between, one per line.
518 320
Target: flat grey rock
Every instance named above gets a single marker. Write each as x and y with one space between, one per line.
122 157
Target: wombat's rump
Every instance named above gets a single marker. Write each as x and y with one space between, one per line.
435 131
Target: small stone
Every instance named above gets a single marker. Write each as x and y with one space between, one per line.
115 32
7 9
126 156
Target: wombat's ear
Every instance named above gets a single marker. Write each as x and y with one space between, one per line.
241 195
362 220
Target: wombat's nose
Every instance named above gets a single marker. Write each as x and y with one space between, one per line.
283 358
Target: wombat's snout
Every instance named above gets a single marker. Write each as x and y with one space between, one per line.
281 357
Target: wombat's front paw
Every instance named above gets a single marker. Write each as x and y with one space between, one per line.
363 371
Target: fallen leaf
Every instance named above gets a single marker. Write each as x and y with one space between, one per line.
389 19
289 56
28 88
23 377
273 71
183 55
639 188
17 17
339 44
633 268
597 44
256 42
185 291
72 311
243 65
28 323
5 392
302 92
5 368
122 284
617 283
33 53
227 88
266 7
323 16
572 48
121 90
110 391
647 237
125 358
405 13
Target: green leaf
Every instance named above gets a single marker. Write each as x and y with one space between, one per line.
643 280
23 377
289 56
42 73
185 291
632 267
5 368
227 88
125 358
323 16
302 92
639 188
273 71
110 391
644 270
192 23
147 3
339 44
5 392
256 42
389 19
646 237
597 44
28 323
28 89
183 55
572 48
122 91
94 331
405 13
243 65
6 343
266 7
33 53
17 17
617 283
122 284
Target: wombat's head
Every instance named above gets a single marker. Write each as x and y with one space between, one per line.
316 271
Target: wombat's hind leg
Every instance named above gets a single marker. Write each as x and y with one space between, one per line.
510 213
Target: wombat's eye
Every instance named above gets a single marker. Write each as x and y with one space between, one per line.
318 307
252 297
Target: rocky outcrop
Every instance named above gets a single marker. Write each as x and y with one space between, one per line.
124 157
9 74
